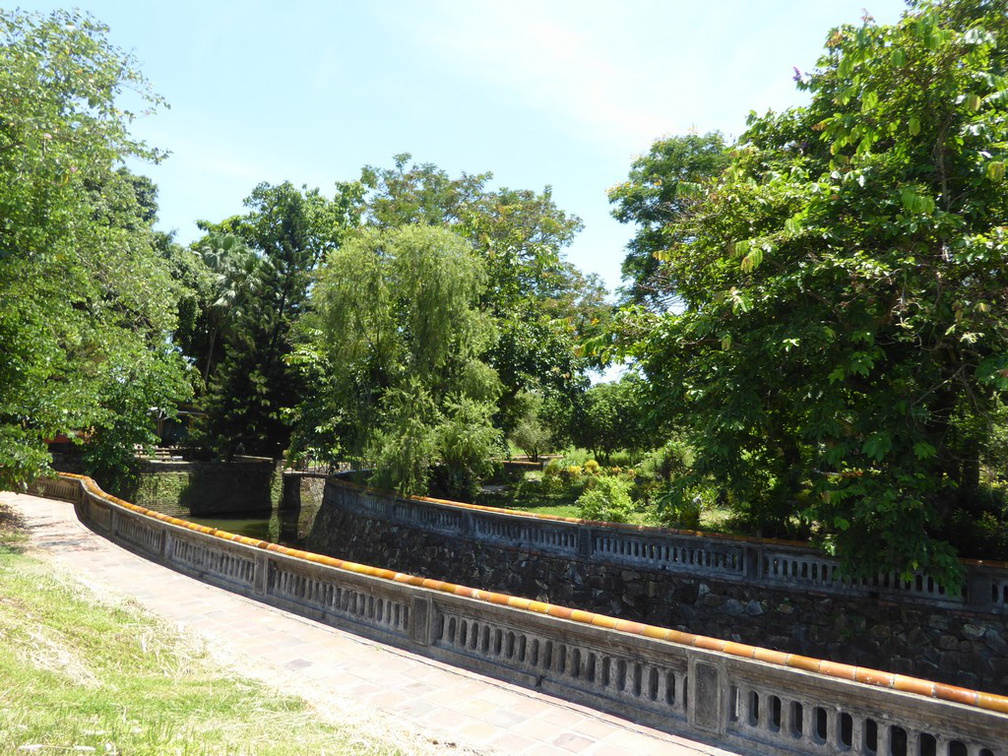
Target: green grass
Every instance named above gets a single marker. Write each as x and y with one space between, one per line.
80 673
509 498
529 498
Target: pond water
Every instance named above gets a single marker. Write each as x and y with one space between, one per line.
251 527
283 527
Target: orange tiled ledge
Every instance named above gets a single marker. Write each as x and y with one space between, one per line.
863 675
623 526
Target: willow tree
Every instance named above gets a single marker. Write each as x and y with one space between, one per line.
393 349
543 306
844 338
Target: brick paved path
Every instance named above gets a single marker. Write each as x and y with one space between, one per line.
338 672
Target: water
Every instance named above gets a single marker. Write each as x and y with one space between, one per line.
283 527
251 527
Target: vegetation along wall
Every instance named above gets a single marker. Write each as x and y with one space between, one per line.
958 646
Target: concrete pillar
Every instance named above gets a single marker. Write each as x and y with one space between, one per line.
707 697
421 620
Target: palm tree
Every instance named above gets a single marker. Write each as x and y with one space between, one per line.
234 268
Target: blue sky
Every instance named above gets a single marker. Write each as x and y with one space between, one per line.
540 93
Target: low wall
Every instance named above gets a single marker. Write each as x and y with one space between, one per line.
764 593
242 486
730 694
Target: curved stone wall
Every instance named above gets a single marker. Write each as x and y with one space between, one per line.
736 695
745 591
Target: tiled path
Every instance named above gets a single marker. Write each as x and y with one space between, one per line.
340 673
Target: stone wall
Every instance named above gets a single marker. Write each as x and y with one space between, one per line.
955 646
246 485
740 697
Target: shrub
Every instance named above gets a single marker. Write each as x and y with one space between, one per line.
606 499
684 511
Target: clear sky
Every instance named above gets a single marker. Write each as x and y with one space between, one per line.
540 93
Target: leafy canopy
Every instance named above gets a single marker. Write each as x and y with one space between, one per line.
259 299
844 335
663 186
543 306
86 303
394 350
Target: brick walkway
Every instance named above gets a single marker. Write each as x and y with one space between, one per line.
343 675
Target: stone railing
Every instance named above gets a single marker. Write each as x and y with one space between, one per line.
734 695
764 562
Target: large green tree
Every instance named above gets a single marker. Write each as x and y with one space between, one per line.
86 303
661 189
393 349
543 305
217 274
290 230
844 334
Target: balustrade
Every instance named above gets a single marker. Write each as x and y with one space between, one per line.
725 693
761 562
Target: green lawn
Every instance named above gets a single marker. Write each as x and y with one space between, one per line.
79 673
525 498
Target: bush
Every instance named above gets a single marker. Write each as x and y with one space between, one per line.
666 462
606 499
684 511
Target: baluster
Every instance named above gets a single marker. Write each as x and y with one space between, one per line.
883 741
746 714
833 725
661 693
764 712
785 717
913 741
858 735
808 723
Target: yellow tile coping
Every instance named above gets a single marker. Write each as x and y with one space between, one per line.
864 675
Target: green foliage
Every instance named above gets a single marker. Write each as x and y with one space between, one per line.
844 294
132 390
468 443
256 300
662 187
218 274
86 302
396 342
530 434
667 462
608 417
606 499
543 306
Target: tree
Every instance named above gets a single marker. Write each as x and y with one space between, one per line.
394 347
225 274
844 283
530 433
290 231
609 417
662 187
421 195
544 306
86 303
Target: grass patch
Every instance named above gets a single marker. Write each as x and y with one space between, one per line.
79 673
526 501
530 496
